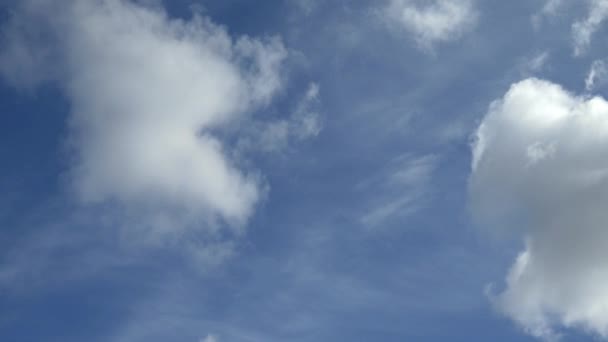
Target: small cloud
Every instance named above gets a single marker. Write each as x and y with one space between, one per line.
583 30
210 338
434 22
550 9
597 74
306 6
306 121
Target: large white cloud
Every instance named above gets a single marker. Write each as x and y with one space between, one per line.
435 21
540 170
147 94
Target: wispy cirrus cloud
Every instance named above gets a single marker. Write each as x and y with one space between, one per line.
401 190
583 29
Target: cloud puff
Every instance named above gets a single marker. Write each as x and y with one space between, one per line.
148 94
540 170
434 22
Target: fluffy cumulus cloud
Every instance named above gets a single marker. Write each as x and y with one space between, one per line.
434 21
148 95
540 171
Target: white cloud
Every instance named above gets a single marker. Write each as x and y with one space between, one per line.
147 94
435 21
597 74
584 29
540 170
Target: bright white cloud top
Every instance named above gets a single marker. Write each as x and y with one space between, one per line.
147 92
540 169
434 22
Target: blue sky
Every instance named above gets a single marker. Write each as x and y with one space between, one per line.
306 170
